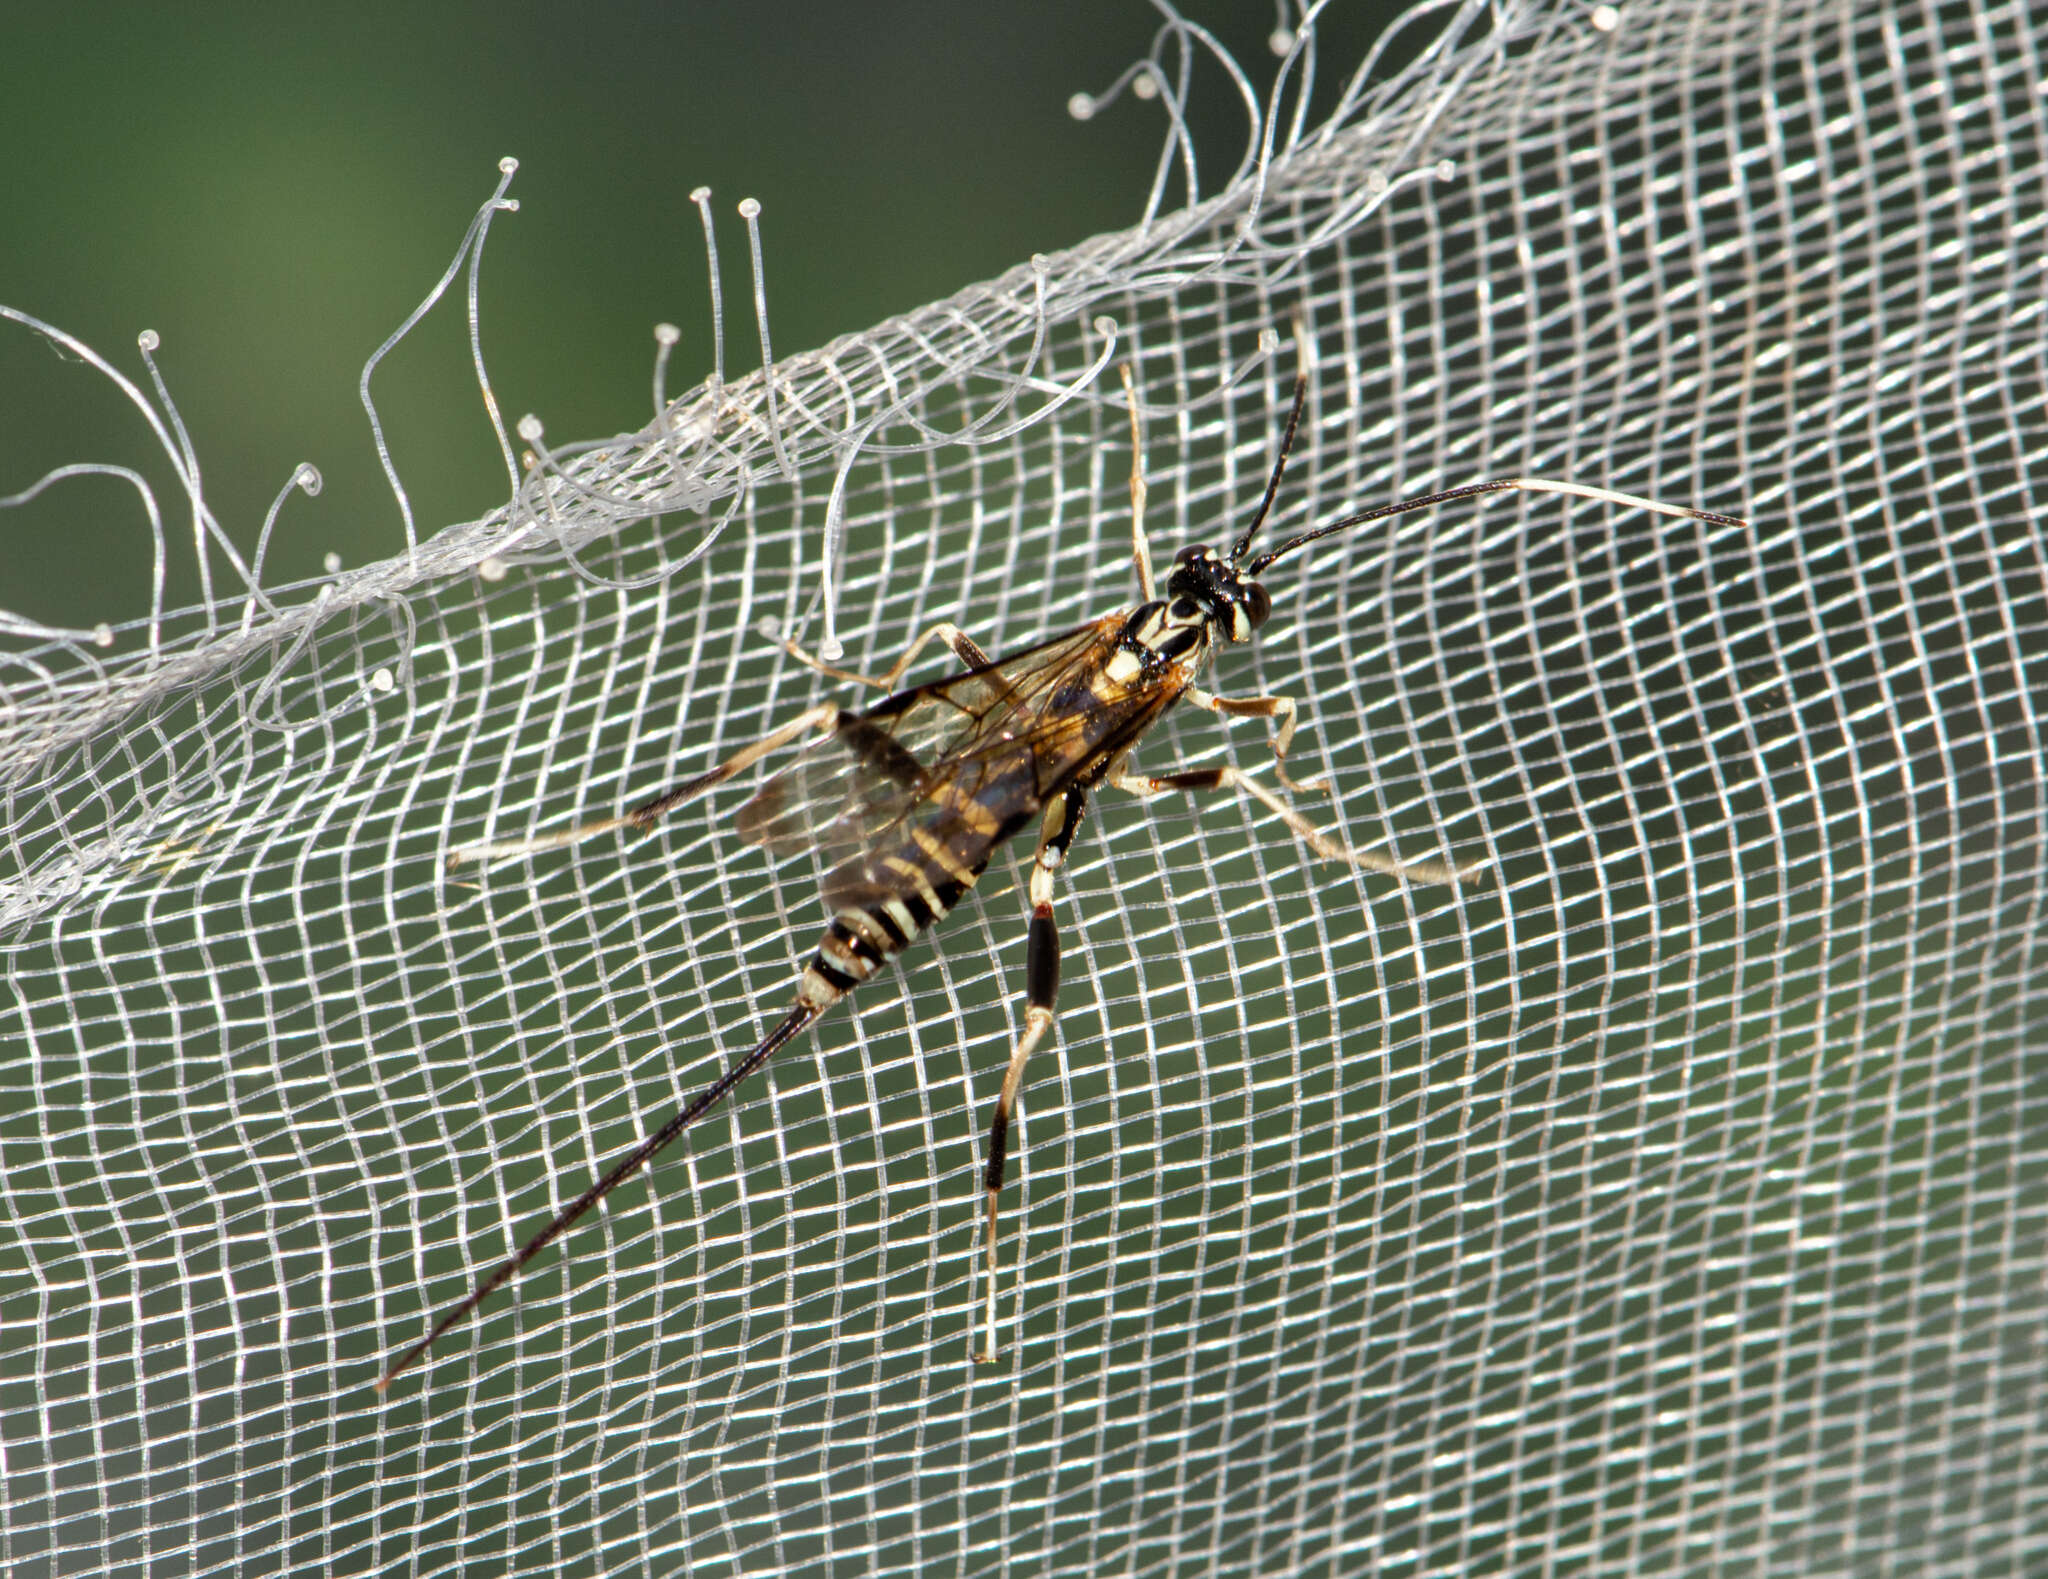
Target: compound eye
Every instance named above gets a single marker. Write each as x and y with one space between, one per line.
1191 553
1258 603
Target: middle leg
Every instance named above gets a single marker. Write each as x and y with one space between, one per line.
1191 780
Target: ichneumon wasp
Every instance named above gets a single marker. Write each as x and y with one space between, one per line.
918 792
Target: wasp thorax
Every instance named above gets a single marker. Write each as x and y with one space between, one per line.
1234 606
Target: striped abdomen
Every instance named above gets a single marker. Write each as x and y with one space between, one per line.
885 898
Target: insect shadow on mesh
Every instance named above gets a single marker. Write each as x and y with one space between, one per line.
917 793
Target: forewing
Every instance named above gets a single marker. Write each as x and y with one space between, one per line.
871 770
998 785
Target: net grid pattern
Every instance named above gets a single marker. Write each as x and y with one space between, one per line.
1673 1204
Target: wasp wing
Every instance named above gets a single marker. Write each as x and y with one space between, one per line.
1062 727
877 765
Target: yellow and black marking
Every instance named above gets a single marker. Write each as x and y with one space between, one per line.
923 788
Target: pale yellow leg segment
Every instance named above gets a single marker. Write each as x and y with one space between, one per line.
1280 707
1036 1023
822 719
1146 786
1041 988
963 647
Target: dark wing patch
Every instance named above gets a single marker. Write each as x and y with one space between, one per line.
876 766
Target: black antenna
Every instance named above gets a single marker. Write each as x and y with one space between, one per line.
1469 490
1279 466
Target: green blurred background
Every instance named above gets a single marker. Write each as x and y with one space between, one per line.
272 190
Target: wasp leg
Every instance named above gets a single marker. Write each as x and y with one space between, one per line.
1280 707
1141 550
1041 988
1191 780
824 719
963 646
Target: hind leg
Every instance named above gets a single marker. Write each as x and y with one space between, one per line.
822 719
1041 988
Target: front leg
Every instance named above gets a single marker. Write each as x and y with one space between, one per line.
1041 988
1280 707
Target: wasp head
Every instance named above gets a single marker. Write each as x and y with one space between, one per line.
1234 605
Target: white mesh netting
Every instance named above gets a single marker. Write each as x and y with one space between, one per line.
1675 1204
